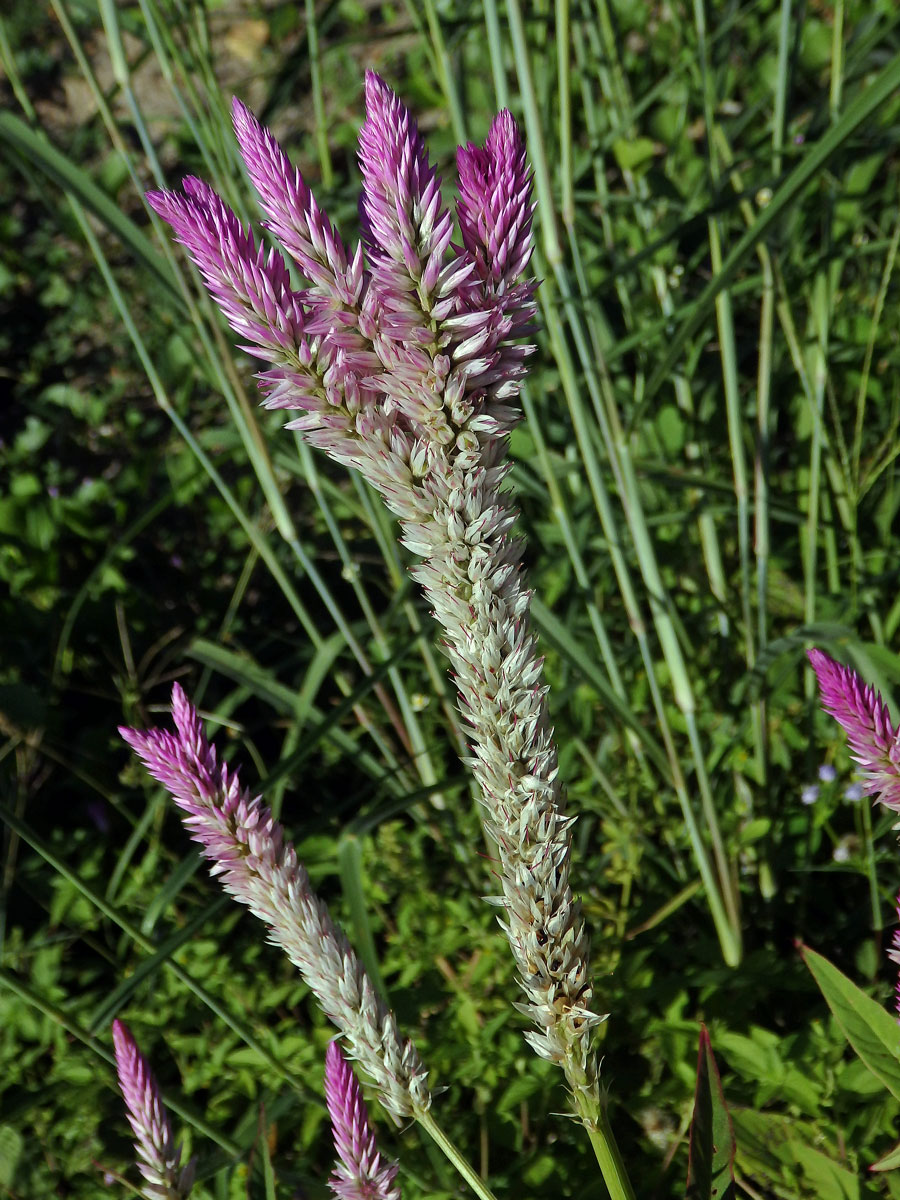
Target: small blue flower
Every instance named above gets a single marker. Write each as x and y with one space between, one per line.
810 794
854 793
827 773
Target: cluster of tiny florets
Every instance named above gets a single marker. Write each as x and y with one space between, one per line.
874 742
860 710
360 1172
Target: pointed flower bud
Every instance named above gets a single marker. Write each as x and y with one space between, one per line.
495 207
159 1159
251 286
247 850
874 743
361 1173
402 215
294 216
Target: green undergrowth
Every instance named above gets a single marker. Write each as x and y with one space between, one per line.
707 481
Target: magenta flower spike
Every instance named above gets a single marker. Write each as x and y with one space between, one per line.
252 287
159 1159
859 709
361 1173
495 209
293 214
403 218
246 849
894 955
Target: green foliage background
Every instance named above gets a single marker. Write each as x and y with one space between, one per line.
707 478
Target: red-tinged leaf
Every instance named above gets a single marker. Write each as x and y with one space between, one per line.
712 1148
889 1161
872 1031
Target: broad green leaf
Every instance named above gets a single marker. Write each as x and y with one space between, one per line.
777 1150
712 1144
872 1032
829 1179
11 1146
633 153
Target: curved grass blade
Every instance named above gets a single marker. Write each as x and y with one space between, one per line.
38 151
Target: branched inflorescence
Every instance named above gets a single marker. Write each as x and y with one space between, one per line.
159 1159
404 358
246 847
874 742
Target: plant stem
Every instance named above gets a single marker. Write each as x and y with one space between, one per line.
593 1117
465 1168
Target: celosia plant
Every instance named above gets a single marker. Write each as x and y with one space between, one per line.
361 1173
403 357
158 1158
874 742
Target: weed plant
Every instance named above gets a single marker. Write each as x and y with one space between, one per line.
707 484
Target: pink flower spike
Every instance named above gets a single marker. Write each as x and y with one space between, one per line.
401 211
894 955
361 1173
251 286
495 208
294 217
859 709
159 1160
248 852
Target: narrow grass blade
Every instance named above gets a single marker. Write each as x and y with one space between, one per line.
868 102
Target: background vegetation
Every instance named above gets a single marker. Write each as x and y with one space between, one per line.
707 478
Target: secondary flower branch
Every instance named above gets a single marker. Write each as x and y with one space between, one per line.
247 851
159 1159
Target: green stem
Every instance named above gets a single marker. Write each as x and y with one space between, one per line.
465 1168
593 1116
610 1160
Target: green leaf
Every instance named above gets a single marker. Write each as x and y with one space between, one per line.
11 1146
632 153
712 1144
777 1150
872 1032
829 1179
889 1161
